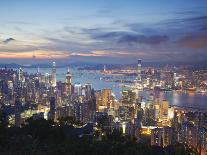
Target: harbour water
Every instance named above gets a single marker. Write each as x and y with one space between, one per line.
95 78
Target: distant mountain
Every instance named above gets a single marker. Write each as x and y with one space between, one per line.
96 66
12 65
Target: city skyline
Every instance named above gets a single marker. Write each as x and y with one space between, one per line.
103 31
105 77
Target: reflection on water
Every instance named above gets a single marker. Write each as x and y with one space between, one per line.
174 97
186 99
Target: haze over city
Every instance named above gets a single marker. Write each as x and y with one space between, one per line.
98 31
103 77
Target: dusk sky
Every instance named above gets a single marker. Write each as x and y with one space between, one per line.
103 31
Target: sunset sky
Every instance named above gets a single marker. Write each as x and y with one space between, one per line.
103 31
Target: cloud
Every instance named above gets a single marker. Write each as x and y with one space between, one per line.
187 24
198 18
127 41
193 41
109 53
135 39
6 41
126 37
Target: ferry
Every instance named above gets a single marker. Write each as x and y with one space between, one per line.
191 89
202 91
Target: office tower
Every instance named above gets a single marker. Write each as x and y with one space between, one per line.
139 69
128 97
14 78
77 89
167 136
138 119
202 140
17 113
20 75
164 109
52 108
104 99
162 136
156 111
10 90
53 74
47 80
104 68
88 90
107 99
68 83
4 87
156 136
68 77
78 111
81 109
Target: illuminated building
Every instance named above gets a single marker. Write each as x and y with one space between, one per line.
107 98
77 89
161 136
78 111
167 136
104 68
88 90
68 83
17 113
124 127
128 97
156 111
52 108
64 111
10 90
171 113
203 141
139 70
189 134
21 77
104 99
47 80
156 136
53 74
164 108
111 112
145 131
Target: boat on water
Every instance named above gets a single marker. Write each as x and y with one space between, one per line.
202 91
162 88
191 89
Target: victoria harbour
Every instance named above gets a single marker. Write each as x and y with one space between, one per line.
176 98
103 77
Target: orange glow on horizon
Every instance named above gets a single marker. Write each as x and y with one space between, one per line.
41 54
34 55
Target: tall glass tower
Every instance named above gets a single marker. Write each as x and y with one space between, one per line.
53 74
139 69
68 83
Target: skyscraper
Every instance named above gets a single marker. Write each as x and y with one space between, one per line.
68 77
68 83
53 74
77 89
104 68
20 75
17 112
88 90
104 99
52 108
139 69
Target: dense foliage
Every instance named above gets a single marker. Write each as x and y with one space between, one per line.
46 137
